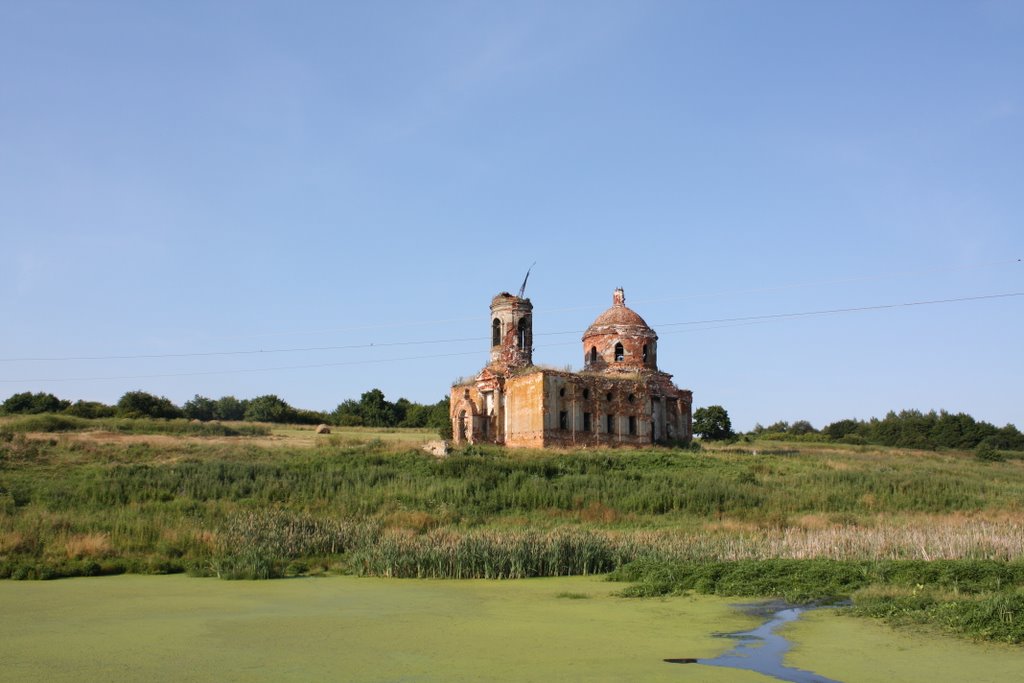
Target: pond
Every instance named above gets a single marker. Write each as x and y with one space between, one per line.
177 628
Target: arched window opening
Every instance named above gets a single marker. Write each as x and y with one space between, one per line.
620 353
593 354
496 332
586 394
645 353
522 334
462 425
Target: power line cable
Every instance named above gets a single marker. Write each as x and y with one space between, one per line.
423 342
307 349
248 352
775 288
728 322
243 370
855 309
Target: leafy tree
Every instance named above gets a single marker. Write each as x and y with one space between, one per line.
347 414
141 404
200 408
914 429
802 427
712 423
1010 438
375 410
400 408
416 415
269 408
230 408
838 430
90 409
311 417
27 403
440 418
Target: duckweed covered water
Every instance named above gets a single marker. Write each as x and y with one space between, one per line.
176 628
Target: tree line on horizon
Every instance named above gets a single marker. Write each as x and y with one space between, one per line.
371 410
905 429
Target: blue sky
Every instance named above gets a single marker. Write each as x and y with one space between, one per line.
187 178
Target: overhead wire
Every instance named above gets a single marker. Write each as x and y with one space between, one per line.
687 297
719 322
422 342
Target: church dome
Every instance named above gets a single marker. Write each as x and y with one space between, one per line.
619 340
619 319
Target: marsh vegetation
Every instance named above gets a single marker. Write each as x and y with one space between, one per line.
250 500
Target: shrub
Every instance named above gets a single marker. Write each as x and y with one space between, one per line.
199 408
136 404
988 454
269 408
27 403
90 410
230 408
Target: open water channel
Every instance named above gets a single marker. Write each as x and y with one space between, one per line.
763 649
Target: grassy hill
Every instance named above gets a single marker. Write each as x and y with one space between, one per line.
245 501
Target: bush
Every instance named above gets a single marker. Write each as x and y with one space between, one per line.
27 403
269 408
199 408
136 404
230 408
816 579
988 454
90 410
996 616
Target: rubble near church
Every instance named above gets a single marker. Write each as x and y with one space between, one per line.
620 398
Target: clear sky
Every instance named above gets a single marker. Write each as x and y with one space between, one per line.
197 177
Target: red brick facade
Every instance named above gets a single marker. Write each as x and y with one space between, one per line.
620 397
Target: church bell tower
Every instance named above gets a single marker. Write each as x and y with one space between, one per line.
511 332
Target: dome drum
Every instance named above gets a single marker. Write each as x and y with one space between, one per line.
619 340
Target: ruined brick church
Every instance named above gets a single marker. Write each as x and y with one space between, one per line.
619 398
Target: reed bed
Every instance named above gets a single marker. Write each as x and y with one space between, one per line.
260 544
238 509
952 539
511 554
